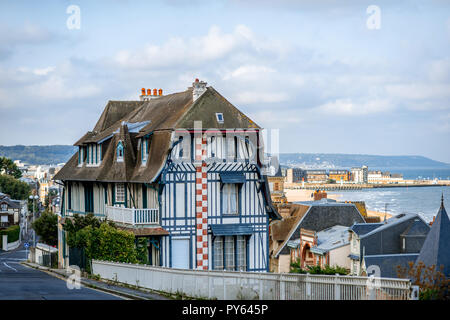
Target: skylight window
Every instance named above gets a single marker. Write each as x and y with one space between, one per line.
219 117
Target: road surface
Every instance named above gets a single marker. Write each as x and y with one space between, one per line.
18 282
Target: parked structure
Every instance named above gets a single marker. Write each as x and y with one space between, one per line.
200 196
402 234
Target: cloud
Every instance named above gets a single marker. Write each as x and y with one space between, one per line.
348 107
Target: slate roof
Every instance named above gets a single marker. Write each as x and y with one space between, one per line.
387 238
330 239
156 118
362 228
319 216
436 248
389 263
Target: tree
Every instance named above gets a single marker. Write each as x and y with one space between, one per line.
433 283
16 189
49 197
46 227
9 167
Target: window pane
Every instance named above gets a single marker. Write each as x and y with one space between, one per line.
229 253
225 198
120 192
241 253
233 199
218 253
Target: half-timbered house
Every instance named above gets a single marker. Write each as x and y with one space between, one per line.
185 171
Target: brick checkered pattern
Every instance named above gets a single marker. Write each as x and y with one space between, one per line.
201 191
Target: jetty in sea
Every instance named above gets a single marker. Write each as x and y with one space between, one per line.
360 186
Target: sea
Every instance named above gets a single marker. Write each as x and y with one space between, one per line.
424 201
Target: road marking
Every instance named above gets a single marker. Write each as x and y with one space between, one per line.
9 266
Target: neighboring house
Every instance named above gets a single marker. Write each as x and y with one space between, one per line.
10 211
183 170
436 248
402 234
310 215
327 247
276 182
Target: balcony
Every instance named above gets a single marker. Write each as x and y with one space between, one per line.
132 216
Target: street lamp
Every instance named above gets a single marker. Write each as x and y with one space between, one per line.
34 198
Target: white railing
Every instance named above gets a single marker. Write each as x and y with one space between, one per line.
226 285
132 216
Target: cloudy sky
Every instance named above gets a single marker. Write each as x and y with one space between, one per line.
312 69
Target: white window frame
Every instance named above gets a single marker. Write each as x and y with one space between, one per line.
122 192
220 115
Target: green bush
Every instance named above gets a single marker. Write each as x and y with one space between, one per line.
12 232
16 189
101 240
296 268
46 227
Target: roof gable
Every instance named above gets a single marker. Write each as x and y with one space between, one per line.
436 248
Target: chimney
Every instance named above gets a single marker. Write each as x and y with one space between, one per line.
198 88
145 97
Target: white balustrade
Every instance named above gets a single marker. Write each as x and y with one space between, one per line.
132 216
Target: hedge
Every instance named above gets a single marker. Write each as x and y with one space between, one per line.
12 232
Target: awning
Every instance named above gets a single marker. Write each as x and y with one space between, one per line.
231 229
232 177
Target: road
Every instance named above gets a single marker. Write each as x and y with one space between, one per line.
19 282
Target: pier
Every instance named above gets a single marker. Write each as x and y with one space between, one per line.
355 186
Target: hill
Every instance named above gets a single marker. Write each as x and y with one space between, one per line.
53 154
329 161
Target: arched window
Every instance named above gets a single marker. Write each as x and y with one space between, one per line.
120 152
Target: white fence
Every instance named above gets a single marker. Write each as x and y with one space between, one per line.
132 216
249 285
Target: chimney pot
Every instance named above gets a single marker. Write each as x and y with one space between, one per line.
155 92
149 92
199 87
160 92
143 91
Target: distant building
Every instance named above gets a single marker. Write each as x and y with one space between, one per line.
316 176
295 175
10 211
360 175
339 175
379 177
276 182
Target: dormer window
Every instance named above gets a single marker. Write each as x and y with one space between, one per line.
80 155
120 152
144 150
4 207
219 117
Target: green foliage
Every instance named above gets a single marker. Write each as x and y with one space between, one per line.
331 181
9 167
142 250
16 189
432 282
49 197
46 227
296 268
12 232
101 240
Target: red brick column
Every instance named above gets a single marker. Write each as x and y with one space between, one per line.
201 190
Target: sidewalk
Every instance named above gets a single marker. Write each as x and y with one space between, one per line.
126 292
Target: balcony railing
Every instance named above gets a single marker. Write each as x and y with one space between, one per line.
132 216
